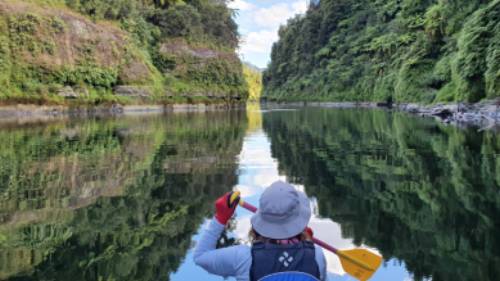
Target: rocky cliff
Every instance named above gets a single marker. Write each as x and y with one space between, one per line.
61 52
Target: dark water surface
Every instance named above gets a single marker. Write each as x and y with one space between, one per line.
126 198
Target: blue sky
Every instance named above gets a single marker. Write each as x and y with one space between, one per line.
259 21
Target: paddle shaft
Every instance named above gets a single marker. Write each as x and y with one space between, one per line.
316 241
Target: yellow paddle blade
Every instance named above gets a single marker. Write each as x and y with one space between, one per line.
234 196
359 263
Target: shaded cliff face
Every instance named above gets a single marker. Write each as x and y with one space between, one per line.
417 191
111 199
50 53
405 51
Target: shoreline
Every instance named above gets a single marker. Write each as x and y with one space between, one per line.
485 114
35 113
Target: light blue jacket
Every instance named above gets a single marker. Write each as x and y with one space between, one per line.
232 261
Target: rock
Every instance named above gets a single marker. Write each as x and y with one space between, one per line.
180 47
212 95
464 107
442 112
451 107
384 104
135 70
485 113
490 110
132 91
116 109
469 116
81 28
70 134
81 92
425 111
67 93
55 112
412 108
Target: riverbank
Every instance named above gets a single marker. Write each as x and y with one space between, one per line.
87 54
485 114
35 113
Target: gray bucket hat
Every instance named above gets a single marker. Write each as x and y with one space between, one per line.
283 213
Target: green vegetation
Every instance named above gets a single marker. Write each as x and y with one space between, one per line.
418 191
111 199
179 51
253 79
405 51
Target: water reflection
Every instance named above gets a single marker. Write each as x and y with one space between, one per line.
122 199
418 191
111 199
258 169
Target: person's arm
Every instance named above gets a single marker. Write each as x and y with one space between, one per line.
230 261
321 261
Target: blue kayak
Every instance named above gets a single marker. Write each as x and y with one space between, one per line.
289 276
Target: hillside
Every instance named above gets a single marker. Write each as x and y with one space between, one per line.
397 50
97 51
253 77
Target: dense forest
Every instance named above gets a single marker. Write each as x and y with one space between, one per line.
420 192
115 199
95 51
397 50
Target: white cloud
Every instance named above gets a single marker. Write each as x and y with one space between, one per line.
299 7
258 42
262 24
274 16
241 5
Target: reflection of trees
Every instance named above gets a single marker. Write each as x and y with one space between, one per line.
147 187
254 117
416 190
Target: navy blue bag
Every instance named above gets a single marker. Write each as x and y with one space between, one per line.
292 262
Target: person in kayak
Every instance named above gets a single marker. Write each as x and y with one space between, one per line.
281 248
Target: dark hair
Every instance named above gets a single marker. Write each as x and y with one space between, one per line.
256 237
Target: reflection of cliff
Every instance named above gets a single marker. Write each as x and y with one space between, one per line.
67 166
418 191
113 204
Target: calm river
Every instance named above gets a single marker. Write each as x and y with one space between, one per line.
126 198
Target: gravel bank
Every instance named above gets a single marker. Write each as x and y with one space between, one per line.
484 114
36 113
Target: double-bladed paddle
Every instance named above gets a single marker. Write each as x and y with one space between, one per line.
359 263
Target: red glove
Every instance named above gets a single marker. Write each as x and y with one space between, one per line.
225 206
